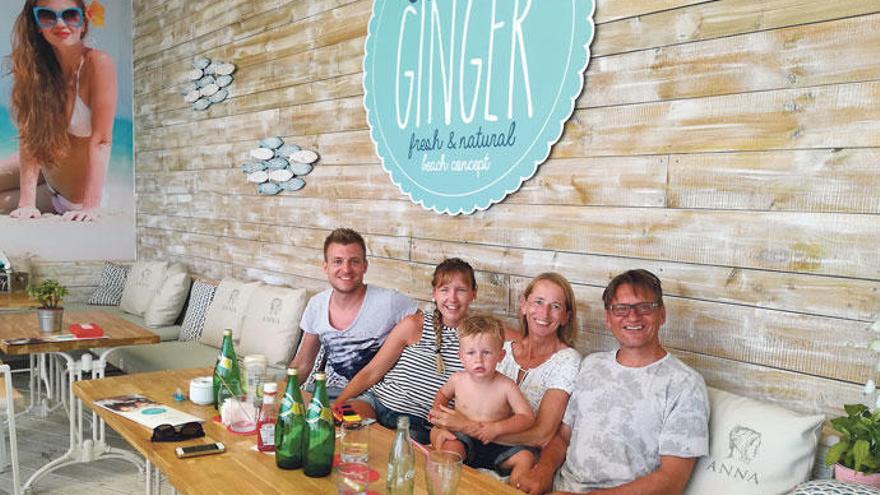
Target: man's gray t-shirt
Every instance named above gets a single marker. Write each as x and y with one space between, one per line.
350 349
623 419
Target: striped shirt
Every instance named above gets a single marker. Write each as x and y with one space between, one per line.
410 386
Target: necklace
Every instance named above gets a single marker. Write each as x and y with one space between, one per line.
526 361
524 371
527 366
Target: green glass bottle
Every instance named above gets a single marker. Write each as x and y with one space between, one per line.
399 479
227 375
291 431
322 433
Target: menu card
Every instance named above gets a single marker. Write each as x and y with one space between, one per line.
145 411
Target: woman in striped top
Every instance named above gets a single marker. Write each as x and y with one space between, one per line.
419 355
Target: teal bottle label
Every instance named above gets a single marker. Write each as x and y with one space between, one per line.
464 98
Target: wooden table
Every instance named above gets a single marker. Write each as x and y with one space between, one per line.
241 469
16 301
118 331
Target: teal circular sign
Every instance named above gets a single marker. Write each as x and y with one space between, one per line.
464 98
152 411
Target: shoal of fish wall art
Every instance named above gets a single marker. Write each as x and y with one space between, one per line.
207 83
275 166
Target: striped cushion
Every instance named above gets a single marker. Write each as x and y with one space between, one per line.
200 296
833 487
109 291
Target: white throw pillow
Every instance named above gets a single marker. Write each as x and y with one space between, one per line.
226 311
176 268
271 323
143 281
755 448
168 301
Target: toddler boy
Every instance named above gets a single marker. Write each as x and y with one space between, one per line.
491 399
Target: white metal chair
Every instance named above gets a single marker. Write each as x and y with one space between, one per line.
7 398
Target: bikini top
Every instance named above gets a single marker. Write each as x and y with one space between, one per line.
81 117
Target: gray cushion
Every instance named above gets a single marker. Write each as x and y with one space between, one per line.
833 487
163 356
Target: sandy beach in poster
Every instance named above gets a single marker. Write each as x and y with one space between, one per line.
112 236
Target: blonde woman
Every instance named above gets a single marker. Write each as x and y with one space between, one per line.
63 103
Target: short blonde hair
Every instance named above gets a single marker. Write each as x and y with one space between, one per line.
345 236
482 325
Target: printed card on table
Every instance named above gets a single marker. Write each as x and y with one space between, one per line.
145 411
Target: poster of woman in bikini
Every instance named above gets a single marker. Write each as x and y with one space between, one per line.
66 143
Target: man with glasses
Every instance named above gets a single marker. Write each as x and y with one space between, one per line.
638 417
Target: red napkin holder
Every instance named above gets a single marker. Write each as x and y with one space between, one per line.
86 330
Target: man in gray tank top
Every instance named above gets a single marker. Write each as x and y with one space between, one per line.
351 319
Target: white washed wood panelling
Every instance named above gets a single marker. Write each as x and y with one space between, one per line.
729 146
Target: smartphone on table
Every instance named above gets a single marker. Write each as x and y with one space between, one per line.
198 450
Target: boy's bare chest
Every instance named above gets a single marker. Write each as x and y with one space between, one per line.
483 402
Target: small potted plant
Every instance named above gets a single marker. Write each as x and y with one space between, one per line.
49 293
856 457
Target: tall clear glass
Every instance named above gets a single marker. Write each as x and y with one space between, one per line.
442 472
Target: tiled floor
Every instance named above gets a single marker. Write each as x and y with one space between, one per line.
42 439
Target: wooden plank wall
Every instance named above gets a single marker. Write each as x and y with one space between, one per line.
728 145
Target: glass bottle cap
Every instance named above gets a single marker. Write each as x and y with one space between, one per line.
320 376
292 372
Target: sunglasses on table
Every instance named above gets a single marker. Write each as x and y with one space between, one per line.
47 18
642 308
171 433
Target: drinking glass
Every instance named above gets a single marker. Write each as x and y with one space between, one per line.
352 478
355 442
442 472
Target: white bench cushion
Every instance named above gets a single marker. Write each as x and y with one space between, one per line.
167 303
755 448
143 281
271 323
226 311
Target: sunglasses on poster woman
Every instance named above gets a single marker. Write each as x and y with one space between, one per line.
47 18
171 433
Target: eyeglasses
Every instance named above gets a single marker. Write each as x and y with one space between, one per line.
47 18
171 433
642 308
